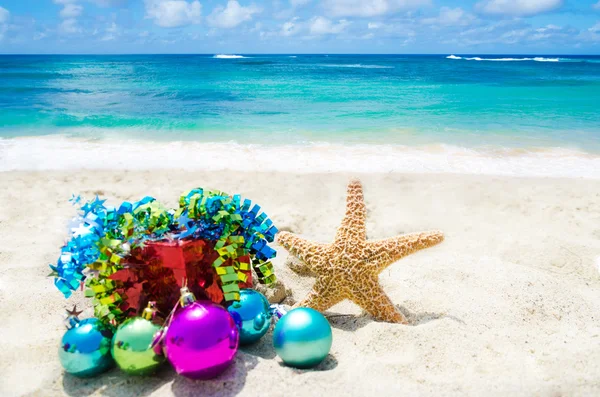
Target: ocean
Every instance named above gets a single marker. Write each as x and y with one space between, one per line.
469 101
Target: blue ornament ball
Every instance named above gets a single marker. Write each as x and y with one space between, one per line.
252 315
85 348
302 338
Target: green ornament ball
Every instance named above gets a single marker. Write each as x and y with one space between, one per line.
131 347
302 338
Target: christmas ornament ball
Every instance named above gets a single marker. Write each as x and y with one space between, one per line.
302 338
252 315
85 348
131 347
201 339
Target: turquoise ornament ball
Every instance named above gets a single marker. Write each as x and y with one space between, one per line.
85 348
302 338
252 315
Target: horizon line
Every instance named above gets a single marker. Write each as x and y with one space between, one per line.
299 53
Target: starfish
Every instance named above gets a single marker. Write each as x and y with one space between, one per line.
349 267
74 312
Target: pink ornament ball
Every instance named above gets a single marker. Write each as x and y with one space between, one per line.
201 340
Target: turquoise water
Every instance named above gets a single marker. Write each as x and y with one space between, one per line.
514 101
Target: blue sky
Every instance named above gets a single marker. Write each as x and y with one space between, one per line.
300 26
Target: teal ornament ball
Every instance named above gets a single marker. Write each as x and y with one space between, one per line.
302 338
85 348
132 347
252 315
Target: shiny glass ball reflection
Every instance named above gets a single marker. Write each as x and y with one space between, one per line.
201 340
131 347
85 349
252 315
302 338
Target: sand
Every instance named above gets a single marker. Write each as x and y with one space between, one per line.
509 304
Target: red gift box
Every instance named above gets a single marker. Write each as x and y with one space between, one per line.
157 271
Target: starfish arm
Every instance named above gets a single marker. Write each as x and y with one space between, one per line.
299 267
309 252
382 253
353 225
323 296
370 296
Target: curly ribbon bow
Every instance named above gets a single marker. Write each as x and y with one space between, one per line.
105 236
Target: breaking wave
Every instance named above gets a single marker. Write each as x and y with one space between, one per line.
535 59
63 153
357 65
225 56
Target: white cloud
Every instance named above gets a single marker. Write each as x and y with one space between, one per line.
291 27
232 15
4 14
109 3
591 34
39 35
519 8
450 17
545 32
316 26
111 32
373 25
287 13
369 8
517 32
321 25
71 10
299 3
69 14
69 26
257 27
173 13
596 6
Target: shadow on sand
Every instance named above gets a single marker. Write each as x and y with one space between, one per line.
349 322
116 383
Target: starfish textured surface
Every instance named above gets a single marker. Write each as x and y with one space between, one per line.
349 267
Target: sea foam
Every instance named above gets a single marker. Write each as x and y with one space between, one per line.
62 153
356 65
536 59
225 56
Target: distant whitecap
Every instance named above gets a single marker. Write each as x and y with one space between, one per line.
535 59
356 65
539 59
226 56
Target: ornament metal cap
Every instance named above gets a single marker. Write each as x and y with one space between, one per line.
187 298
150 311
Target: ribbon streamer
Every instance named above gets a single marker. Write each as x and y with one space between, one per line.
103 239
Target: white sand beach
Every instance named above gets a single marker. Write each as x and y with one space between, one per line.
508 304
